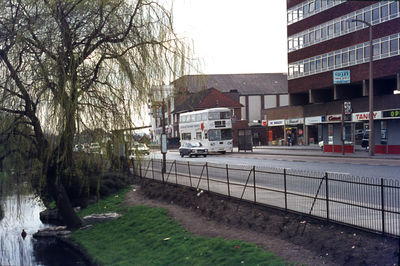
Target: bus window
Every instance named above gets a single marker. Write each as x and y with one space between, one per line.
213 116
186 136
204 117
198 117
219 115
184 119
198 135
193 118
225 115
219 134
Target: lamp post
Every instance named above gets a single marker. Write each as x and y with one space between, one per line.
371 90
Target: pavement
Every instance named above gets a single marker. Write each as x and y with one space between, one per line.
315 150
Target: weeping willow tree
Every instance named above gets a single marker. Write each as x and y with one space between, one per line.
65 63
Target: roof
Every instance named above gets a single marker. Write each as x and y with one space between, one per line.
245 84
204 99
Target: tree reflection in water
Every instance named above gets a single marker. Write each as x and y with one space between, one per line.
21 211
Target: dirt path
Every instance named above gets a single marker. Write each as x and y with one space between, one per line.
288 236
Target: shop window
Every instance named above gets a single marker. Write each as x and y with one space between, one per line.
330 134
347 134
384 132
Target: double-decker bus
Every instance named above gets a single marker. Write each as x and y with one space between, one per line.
211 127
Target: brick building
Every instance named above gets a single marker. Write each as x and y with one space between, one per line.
323 38
255 92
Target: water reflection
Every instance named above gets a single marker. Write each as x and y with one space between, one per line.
21 210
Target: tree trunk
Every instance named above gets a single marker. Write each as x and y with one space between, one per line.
57 191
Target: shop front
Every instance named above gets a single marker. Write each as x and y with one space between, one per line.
335 137
294 128
276 132
386 129
313 130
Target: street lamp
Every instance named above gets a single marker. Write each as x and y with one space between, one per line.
371 89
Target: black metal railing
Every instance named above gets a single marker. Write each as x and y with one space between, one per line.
367 203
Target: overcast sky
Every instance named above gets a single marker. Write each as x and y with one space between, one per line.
234 36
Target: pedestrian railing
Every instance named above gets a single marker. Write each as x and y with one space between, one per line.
367 203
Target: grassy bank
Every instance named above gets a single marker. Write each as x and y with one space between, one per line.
148 236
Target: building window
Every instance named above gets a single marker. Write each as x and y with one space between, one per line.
337 28
306 67
330 30
394 45
324 62
337 60
269 101
311 7
384 47
366 52
367 16
376 49
359 54
312 66
393 8
311 37
323 33
359 17
318 64
345 58
317 35
283 100
352 56
384 12
375 15
330 61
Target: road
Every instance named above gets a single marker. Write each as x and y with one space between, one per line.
363 167
352 200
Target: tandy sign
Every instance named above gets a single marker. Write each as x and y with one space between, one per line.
365 116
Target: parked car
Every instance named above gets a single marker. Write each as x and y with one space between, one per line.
139 148
192 149
94 147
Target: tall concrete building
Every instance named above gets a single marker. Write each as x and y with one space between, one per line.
328 67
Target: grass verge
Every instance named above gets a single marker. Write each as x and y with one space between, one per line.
148 236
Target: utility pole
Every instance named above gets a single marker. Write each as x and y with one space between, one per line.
163 138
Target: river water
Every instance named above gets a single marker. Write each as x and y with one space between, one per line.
21 211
